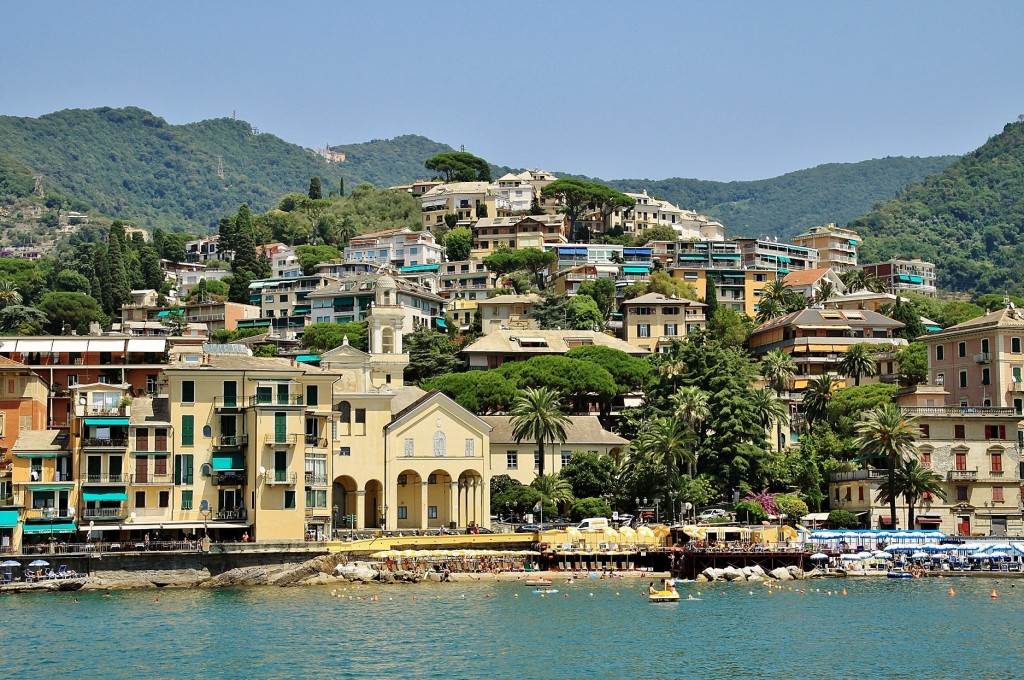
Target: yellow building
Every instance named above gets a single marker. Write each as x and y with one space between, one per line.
738 289
836 246
654 321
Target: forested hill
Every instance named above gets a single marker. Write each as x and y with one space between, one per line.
131 164
969 219
787 205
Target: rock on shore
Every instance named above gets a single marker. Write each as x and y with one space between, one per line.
754 573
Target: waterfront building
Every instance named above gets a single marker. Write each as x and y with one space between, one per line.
652 322
214 315
738 288
903 275
704 254
836 246
981 361
818 338
502 346
973 450
396 247
43 493
769 254
521 460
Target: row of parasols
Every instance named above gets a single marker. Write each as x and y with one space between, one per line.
933 551
642 534
449 554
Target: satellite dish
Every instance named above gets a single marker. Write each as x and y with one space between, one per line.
204 505
263 470
133 515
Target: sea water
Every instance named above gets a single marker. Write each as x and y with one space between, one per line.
603 629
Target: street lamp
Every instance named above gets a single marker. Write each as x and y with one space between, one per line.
673 495
337 517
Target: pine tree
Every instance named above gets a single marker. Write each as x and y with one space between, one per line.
118 286
245 256
341 186
315 190
101 292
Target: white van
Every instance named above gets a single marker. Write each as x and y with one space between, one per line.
593 523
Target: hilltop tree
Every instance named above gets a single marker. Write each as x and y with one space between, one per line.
66 312
459 166
324 336
579 197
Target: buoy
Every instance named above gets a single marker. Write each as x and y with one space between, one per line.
516 595
952 593
994 594
844 591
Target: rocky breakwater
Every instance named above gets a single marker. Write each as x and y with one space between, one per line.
754 573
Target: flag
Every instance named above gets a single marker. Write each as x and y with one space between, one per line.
537 507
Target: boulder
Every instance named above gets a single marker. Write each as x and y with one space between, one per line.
795 572
781 574
701 578
243 576
294 575
755 577
757 570
733 574
358 573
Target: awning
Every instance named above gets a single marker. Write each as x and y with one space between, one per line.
929 520
55 528
726 256
235 461
815 517
8 519
916 279
51 487
165 312
146 345
421 268
253 323
35 345
887 519
106 345
852 242
106 421
636 270
41 454
300 310
308 358
441 323
694 257
110 495
70 345
8 345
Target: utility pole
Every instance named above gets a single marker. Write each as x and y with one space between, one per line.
220 167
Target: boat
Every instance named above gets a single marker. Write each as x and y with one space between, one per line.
664 596
538 581
898 574
545 591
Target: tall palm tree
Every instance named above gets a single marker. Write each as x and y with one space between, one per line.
668 442
887 432
537 414
778 368
858 361
553 488
690 404
768 409
913 481
817 397
9 294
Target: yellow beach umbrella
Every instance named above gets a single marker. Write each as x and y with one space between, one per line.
573 534
645 532
611 534
627 533
661 531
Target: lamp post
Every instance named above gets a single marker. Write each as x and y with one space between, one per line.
205 512
337 517
673 495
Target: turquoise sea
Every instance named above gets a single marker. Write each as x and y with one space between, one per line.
604 629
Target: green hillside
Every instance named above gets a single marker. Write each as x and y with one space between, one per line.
387 162
130 164
968 220
787 205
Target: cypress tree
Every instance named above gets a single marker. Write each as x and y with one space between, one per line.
315 190
119 287
711 297
341 186
102 275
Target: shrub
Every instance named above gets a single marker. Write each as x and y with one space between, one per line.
750 512
589 507
843 519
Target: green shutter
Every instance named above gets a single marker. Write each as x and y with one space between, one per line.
280 427
186 500
188 434
280 466
263 395
188 468
282 393
230 393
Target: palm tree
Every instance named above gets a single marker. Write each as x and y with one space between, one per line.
768 410
913 481
855 279
858 361
826 292
537 414
818 395
778 368
9 294
768 309
690 404
667 442
553 489
888 433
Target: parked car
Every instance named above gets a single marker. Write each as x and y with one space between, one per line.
712 514
530 528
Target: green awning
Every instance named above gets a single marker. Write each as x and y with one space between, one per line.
234 461
106 421
693 257
308 358
51 487
636 270
916 279
933 329
111 495
253 323
55 528
783 258
853 242
166 312
41 454
421 268
300 310
726 256
441 323
903 277
8 519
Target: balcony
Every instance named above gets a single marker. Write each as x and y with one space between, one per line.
318 512
230 515
959 411
858 476
152 479
317 442
983 358
233 478
281 477
119 512
49 513
962 475
106 412
279 440
314 479
1017 385
282 400
110 443
221 404
230 441
106 478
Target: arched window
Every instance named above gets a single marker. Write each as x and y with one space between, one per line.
387 341
345 411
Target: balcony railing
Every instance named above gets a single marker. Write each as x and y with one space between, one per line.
318 512
279 400
314 479
119 511
230 440
1017 385
49 476
983 357
152 479
231 514
110 443
112 411
281 477
858 475
49 513
958 411
228 478
316 441
962 475
106 478
227 403
278 440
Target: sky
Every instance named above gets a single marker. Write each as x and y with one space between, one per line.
713 90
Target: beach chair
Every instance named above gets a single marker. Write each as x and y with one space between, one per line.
29 576
64 572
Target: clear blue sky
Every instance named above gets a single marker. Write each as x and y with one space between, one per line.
715 90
